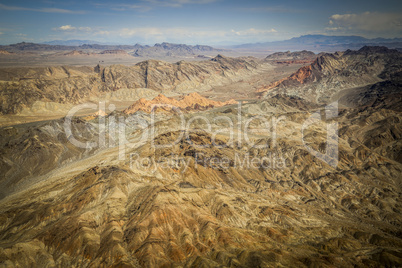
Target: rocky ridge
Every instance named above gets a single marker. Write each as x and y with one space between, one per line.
297 55
172 50
331 73
114 52
5 52
163 49
21 87
77 53
190 102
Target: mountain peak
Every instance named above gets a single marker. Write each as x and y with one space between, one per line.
218 57
376 49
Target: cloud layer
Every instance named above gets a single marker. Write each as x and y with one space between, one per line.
69 29
197 35
367 22
178 3
45 10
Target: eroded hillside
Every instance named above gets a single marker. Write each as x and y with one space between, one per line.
22 87
331 73
197 202
311 178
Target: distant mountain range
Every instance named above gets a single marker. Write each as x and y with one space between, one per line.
318 43
315 43
48 47
160 51
73 42
168 49
163 49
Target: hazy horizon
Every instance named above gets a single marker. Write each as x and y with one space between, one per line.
207 22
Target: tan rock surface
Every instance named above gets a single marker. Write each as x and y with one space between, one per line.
192 101
21 87
104 211
331 73
207 194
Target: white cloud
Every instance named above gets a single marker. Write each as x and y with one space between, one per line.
85 29
79 32
253 31
149 4
273 9
186 32
23 37
367 22
147 32
45 10
66 28
123 7
199 36
143 32
178 3
69 28
334 29
102 33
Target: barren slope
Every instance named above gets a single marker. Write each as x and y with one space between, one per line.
21 87
111 212
331 73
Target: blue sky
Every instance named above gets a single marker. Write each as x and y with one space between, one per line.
211 22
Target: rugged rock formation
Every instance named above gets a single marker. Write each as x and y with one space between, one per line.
190 102
5 52
34 151
386 94
24 46
21 87
164 49
297 55
198 202
331 73
172 50
77 53
318 43
114 52
256 185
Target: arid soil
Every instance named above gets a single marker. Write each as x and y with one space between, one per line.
307 175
